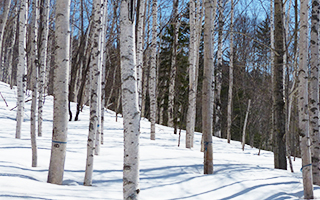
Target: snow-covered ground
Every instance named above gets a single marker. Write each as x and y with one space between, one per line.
167 171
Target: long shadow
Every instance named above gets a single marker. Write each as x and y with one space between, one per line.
22 197
258 186
18 175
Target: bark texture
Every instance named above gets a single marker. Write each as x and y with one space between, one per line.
130 104
60 104
303 103
207 107
279 150
22 65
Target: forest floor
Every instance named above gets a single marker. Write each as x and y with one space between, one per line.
166 170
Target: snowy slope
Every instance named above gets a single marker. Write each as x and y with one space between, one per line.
167 171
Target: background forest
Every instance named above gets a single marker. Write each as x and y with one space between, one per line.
248 79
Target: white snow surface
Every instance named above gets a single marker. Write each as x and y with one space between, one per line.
166 170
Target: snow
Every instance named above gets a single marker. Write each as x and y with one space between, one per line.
166 170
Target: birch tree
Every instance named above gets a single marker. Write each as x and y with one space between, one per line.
22 65
314 93
3 21
34 81
130 104
172 78
207 107
140 39
45 4
60 104
153 70
229 109
303 103
95 96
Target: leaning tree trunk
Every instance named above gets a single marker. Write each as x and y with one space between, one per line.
314 93
61 74
279 150
130 104
229 109
22 65
153 71
303 103
95 95
207 107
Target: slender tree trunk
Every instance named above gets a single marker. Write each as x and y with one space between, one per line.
245 125
61 74
140 38
280 161
218 81
34 81
192 93
314 93
104 56
130 104
153 70
173 70
229 109
22 65
3 21
95 95
43 60
303 103
207 107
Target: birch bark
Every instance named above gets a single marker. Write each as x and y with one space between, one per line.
173 63
153 70
314 93
3 21
34 81
43 61
95 96
61 74
22 65
303 103
130 104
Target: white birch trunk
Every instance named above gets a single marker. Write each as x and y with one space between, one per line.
140 38
11 49
43 62
61 74
3 21
153 70
245 126
103 66
172 78
314 93
34 81
303 103
130 104
95 95
192 92
229 109
22 65
207 107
